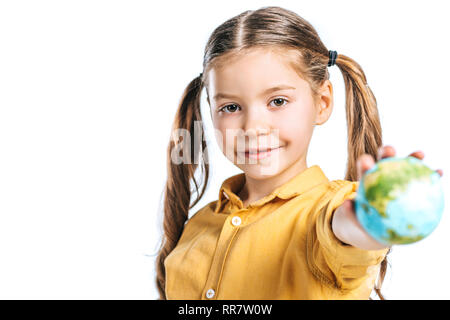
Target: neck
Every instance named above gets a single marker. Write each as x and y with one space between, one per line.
255 189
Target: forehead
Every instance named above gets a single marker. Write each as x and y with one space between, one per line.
253 72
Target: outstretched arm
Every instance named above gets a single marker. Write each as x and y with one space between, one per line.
348 230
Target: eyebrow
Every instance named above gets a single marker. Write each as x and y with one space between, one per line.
267 91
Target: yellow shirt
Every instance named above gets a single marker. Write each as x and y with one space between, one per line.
278 247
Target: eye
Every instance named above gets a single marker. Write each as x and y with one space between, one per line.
280 99
229 105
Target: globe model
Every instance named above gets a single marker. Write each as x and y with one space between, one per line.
399 200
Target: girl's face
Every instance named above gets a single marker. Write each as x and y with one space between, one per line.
248 114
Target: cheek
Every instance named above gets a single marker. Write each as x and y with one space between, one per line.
293 127
297 129
225 136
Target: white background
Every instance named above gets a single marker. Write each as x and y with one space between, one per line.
88 93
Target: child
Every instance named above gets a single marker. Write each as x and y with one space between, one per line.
280 229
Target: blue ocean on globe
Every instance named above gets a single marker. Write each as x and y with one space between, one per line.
399 200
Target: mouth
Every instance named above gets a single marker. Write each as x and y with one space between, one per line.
261 153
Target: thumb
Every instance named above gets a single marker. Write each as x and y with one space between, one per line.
349 206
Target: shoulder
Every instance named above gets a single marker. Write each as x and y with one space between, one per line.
338 184
197 220
338 192
335 191
206 209
342 189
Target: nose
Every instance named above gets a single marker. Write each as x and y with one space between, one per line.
257 122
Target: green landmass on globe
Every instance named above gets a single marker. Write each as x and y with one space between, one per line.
398 239
399 200
390 180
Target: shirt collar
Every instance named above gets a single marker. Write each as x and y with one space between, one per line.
304 181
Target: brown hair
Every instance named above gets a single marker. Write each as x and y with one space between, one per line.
283 31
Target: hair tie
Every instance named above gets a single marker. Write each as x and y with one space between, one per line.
332 57
200 75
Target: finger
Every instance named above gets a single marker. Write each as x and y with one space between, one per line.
417 154
364 163
385 152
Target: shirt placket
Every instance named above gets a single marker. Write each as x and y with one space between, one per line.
228 235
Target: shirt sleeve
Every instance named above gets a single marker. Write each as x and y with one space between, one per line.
329 259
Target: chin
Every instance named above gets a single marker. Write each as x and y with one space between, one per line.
261 171
258 175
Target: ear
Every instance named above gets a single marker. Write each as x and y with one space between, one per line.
324 104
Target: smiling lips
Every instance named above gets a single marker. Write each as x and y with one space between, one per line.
260 153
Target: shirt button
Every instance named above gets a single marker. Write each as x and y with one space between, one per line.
210 293
236 221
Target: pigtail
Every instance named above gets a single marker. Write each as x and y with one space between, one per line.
363 127
363 121
177 196
381 275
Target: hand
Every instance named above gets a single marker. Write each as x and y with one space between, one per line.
366 161
346 212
